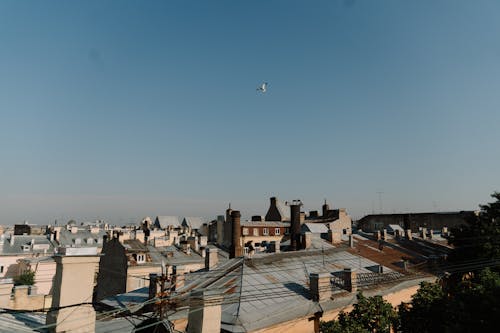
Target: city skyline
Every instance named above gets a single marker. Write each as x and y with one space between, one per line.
120 110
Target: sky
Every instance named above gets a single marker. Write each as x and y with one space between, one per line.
117 110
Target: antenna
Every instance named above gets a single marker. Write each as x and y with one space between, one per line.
380 201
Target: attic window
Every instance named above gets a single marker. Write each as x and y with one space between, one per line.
26 247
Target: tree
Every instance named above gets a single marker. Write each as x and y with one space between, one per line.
472 306
372 314
27 278
424 311
480 237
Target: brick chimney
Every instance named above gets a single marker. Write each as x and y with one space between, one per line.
423 233
350 280
228 228
205 312
211 258
409 236
73 284
236 248
326 208
306 240
295 237
320 286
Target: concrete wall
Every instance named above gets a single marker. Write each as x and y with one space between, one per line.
343 224
44 273
138 276
21 300
10 264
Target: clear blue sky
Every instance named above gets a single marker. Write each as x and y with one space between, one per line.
121 109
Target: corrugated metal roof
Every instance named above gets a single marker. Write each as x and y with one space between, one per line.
21 322
164 221
274 289
283 209
316 228
193 222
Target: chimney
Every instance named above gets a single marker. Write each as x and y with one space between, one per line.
307 240
431 234
153 286
295 241
178 275
205 312
444 231
385 234
73 284
274 247
350 280
320 287
397 234
228 228
423 233
408 234
236 248
377 235
326 208
211 258
351 241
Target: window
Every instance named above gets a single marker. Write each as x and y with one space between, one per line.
277 231
265 231
245 231
255 231
287 231
1 269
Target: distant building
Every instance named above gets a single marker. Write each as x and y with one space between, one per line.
22 229
261 234
15 247
414 221
277 211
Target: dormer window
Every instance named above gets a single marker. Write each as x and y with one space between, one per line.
78 241
141 258
90 241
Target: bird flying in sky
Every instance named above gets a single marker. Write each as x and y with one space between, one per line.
263 87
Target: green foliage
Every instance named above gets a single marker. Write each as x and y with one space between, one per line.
472 306
480 237
27 279
425 309
372 314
